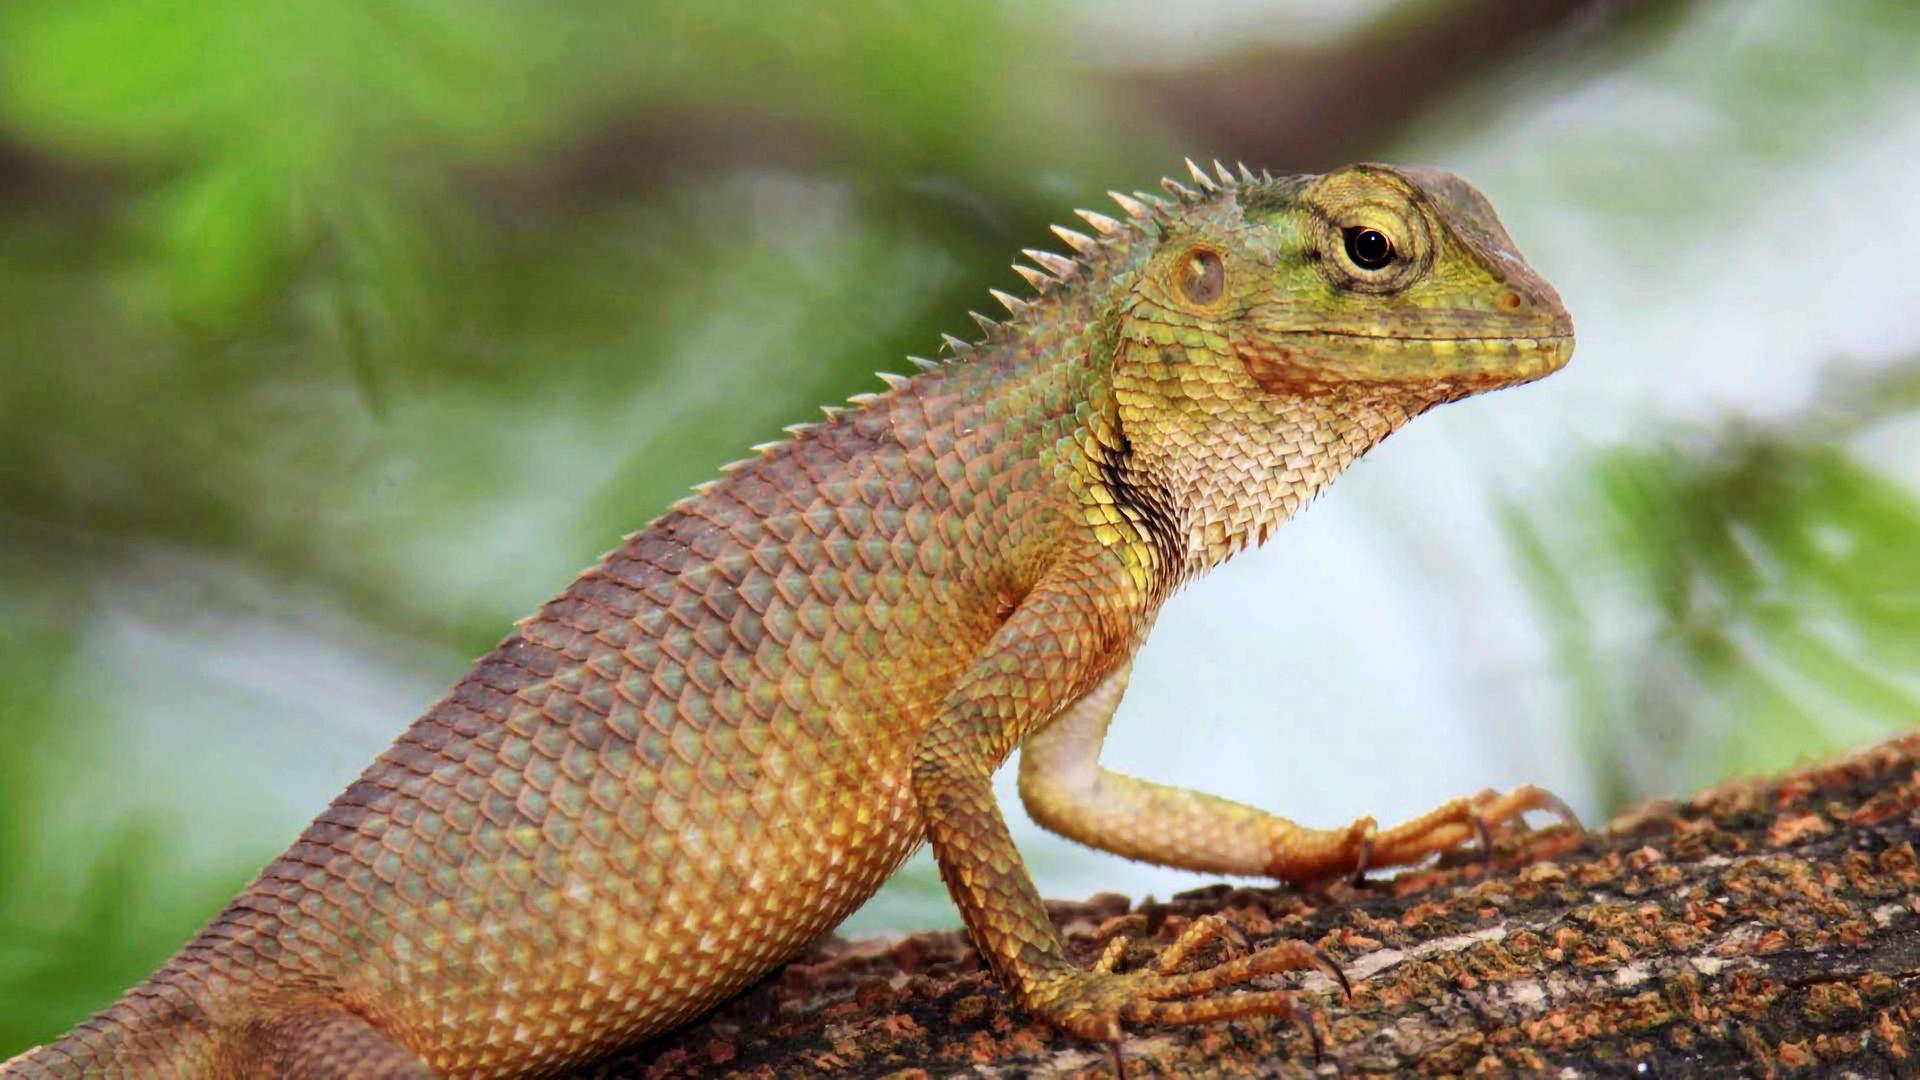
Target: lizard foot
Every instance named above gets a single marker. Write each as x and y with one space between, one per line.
1451 825
1313 857
1096 1003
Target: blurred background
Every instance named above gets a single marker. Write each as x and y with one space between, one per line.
336 336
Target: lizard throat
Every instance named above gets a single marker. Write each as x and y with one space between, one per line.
1236 493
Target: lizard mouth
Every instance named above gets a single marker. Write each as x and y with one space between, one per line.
1545 339
1548 339
1292 359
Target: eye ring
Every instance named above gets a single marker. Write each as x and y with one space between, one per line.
1203 277
1369 249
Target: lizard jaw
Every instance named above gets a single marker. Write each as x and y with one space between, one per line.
1299 360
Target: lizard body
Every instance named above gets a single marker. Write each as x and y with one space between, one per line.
721 739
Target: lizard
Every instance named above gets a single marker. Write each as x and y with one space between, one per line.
722 738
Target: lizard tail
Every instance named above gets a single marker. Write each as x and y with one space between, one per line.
143 1035
327 1042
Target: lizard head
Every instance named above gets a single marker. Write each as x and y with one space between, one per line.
1277 329
1365 279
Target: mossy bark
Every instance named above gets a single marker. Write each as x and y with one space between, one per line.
1766 928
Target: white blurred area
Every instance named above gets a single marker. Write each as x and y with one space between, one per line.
1380 655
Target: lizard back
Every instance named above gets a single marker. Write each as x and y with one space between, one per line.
690 763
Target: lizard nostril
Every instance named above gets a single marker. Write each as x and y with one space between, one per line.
1511 301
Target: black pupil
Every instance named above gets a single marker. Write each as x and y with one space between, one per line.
1369 248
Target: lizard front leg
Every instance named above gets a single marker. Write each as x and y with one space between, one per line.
1052 647
1068 792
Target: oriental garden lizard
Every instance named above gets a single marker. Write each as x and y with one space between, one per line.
722 738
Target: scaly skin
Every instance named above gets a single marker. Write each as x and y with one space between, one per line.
720 740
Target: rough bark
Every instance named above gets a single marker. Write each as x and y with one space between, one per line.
1765 928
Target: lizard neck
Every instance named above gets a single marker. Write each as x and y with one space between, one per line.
1237 494
1224 471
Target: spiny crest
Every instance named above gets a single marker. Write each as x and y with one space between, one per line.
1200 177
1101 222
1036 278
1059 266
1135 204
1015 306
1145 214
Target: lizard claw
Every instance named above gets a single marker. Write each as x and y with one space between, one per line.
1483 833
1363 860
1548 802
1325 963
1305 1020
1235 936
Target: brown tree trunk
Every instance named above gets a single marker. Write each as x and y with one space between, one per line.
1767 928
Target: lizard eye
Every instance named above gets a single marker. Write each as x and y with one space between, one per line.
1204 277
1369 248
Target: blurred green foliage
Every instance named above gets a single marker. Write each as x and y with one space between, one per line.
356 134
297 239
1730 600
